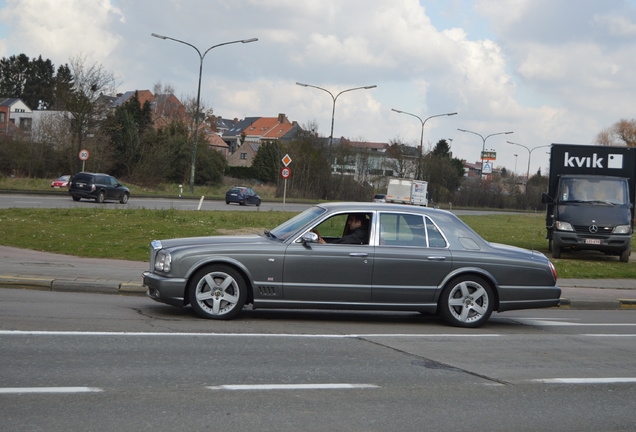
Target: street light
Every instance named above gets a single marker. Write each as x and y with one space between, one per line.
333 110
529 156
419 174
197 114
483 148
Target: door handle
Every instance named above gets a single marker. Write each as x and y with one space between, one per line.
436 258
359 254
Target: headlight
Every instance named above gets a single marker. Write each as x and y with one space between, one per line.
622 229
163 261
564 226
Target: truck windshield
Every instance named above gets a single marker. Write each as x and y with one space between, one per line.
611 191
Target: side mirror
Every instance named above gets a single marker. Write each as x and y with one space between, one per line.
309 237
546 199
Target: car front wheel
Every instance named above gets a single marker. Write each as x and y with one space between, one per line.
124 198
467 302
217 292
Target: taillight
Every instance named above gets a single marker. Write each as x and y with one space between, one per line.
554 273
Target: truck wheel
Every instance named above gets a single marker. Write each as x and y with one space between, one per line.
625 255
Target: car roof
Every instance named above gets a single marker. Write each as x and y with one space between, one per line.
375 206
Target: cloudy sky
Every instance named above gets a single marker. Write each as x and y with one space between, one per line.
548 70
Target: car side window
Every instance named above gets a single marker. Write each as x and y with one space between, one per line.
435 237
402 230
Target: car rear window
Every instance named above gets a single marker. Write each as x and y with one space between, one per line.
84 178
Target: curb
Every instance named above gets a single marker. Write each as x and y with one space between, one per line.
76 285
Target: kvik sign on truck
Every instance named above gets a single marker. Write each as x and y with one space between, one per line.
590 199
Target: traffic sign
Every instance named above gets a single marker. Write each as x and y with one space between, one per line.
285 172
286 160
84 154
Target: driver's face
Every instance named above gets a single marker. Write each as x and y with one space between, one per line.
354 223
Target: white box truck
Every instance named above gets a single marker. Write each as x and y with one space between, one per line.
407 191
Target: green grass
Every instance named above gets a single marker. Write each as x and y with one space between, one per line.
125 234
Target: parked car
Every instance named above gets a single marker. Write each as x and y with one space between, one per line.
243 196
415 259
379 198
100 187
61 182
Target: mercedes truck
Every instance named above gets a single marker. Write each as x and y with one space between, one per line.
590 199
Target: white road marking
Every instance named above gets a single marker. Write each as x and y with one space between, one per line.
259 335
585 380
18 390
555 323
335 386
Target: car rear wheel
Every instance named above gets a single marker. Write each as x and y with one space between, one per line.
217 292
100 197
124 198
467 301
76 198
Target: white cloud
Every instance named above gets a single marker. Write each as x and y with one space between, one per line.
551 72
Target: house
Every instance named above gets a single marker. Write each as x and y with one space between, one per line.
234 137
244 155
15 115
271 129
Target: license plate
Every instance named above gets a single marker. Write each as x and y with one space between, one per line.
592 241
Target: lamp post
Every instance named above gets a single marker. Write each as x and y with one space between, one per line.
483 148
423 122
529 156
515 172
333 110
197 114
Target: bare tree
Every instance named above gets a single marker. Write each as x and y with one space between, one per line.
89 83
621 133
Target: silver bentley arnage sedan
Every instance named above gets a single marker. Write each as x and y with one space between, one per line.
371 256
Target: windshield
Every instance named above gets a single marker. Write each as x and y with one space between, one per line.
286 229
594 190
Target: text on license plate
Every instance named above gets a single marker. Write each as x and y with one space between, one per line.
593 241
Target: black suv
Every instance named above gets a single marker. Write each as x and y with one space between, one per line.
100 187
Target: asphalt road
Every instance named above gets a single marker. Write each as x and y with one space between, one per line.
96 362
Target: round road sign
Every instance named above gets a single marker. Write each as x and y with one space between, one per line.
285 172
84 154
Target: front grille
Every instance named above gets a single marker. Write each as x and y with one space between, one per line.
601 231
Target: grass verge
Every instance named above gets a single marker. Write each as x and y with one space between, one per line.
125 234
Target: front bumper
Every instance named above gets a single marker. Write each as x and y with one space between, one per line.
165 290
564 239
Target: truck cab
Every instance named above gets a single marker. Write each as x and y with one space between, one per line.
590 199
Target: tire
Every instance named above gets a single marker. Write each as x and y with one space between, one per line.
556 252
258 203
76 198
242 203
101 196
625 255
124 198
467 301
217 292
227 202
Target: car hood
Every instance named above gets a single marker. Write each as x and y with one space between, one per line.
214 240
595 214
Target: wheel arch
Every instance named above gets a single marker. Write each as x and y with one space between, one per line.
235 264
467 272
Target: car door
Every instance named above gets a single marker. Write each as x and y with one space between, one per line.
336 273
411 259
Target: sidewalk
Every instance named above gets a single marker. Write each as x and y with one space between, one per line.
23 268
